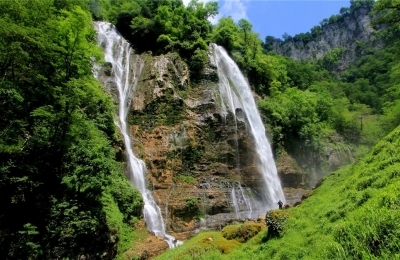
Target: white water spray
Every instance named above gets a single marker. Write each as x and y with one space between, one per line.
235 202
236 93
125 73
245 200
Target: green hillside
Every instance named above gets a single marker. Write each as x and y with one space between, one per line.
354 214
63 193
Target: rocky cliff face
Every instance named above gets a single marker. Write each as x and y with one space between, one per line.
349 35
200 163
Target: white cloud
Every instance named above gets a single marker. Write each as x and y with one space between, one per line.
237 9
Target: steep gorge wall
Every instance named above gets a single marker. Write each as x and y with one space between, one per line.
352 33
196 158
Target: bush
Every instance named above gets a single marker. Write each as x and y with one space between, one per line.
198 60
275 220
243 232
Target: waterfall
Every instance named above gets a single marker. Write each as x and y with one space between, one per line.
235 202
125 73
236 95
248 205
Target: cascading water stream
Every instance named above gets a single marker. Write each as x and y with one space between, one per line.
248 205
236 93
235 202
125 73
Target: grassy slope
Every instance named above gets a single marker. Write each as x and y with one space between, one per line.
354 214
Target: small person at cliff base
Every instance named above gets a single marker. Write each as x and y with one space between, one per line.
280 203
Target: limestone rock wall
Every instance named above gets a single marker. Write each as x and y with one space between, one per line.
349 33
198 161
194 156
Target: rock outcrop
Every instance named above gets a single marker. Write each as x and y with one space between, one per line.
197 159
350 35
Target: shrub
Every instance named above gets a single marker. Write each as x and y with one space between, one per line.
243 232
198 60
275 220
191 204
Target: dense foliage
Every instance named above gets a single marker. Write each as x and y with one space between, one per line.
62 192
162 26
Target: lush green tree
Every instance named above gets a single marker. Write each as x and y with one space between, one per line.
56 158
388 14
245 26
295 118
316 31
164 26
269 43
354 4
344 10
301 74
344 121
267 72
226 34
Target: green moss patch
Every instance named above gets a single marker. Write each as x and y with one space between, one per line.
242 232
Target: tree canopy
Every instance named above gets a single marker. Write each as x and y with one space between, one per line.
57 166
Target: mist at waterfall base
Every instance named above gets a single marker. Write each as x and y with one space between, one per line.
118 53
236 96
126 69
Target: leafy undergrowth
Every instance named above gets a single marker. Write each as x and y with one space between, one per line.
354 214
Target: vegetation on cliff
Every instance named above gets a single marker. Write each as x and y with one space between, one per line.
316 32
62 192
162 26
307 106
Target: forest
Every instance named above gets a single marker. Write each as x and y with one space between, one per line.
62 185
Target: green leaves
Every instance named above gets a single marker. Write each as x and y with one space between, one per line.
292 115
226 34
198 60
275 221
165 26
75 38
56 134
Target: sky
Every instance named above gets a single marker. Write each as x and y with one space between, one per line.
276 17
